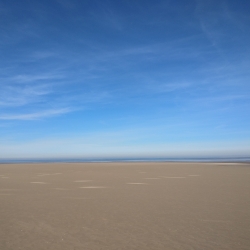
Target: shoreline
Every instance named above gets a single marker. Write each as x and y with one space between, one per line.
235 160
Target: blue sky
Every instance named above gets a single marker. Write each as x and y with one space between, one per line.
124 78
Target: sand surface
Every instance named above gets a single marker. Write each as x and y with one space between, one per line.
125 206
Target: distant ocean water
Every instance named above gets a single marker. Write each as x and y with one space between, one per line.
168 159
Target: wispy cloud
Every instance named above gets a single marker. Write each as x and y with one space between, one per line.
222 98
106 16
18 95
155 52
218 21
42 55
33 78
159 87
36 115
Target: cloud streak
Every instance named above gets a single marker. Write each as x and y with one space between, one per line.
36 115
15 95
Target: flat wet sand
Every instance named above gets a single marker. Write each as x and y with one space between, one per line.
125 206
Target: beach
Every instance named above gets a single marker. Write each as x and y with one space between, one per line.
121 205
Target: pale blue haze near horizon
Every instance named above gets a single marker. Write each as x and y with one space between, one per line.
124 78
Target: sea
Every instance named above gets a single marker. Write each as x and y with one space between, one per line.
143 159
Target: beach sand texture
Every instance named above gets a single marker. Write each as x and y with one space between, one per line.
125 206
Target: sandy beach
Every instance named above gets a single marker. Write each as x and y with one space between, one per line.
110 206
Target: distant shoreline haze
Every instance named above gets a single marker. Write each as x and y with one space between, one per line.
127 159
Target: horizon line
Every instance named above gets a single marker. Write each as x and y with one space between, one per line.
245 159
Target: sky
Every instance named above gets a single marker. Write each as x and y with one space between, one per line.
124 78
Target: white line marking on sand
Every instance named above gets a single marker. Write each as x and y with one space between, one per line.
48 174
173 177
83 181
137 183
38 182
93 187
